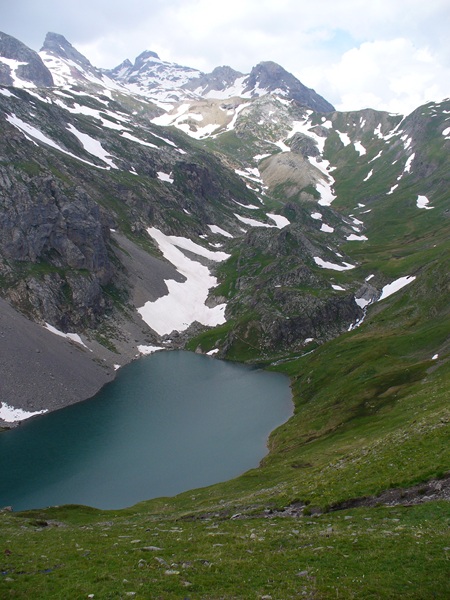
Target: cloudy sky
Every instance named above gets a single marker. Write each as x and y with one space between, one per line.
387 54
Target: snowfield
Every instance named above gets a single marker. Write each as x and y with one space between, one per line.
185 302
92 146
395 286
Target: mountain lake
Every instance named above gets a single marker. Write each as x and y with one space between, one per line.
169 422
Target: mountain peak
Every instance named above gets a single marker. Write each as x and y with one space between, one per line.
146 55
57 44
270 76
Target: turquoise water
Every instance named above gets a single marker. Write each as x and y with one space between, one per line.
170 422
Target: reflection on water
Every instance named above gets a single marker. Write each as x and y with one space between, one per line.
170 422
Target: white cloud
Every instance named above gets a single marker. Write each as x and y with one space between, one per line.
391 75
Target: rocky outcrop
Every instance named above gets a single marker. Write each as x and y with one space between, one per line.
283 298
319 319
39 221
25 64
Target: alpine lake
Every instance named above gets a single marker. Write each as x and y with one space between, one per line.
169 422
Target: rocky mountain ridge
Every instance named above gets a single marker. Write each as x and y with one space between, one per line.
281 224
149 74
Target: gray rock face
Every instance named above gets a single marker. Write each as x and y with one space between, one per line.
32 70
39 222
304 145
61 244
280 293
316 319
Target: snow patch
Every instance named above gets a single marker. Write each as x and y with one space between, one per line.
329 265
392 190
250 173
220 231
377 156
326 193
356 238
369 175
14 65
283 147
408 164
338 288
362 302
7 93
92 146
249 206
395 286
9 414
74 337
360 148
165 177
252 222
279 220
344 138
260 157
133 138
326 228
317 216
422 202
144 350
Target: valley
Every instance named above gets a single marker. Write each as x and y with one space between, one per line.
242 217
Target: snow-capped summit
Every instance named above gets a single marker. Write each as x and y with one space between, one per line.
267 77
151 76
